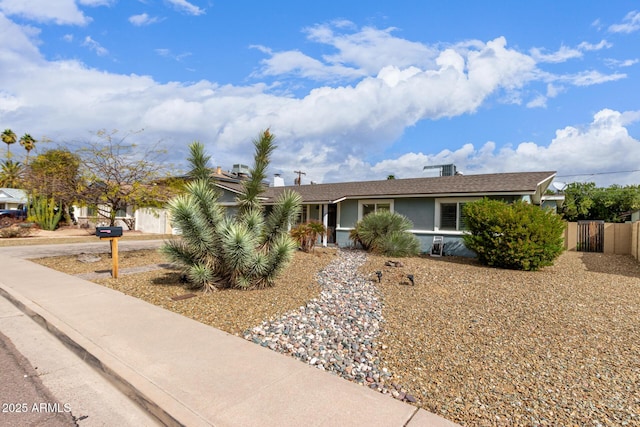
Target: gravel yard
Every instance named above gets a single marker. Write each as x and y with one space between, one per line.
478 346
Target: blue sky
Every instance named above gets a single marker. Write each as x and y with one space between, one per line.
352 90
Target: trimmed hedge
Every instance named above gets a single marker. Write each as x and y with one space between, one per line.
517 236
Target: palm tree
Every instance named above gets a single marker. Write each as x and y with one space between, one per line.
28 143
11 174
9 137
248 250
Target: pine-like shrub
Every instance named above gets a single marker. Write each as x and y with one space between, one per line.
386 233
517 236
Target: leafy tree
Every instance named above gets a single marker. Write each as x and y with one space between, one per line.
118 175
9 137
518 236
244 251
28 143
11 175
585 201
54 176
386 233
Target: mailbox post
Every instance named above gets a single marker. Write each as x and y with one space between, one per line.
112 234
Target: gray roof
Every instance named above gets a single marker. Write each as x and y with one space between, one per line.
533 183
12 195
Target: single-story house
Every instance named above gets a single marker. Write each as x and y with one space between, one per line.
12 198
434 205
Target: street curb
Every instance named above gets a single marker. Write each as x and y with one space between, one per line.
137 388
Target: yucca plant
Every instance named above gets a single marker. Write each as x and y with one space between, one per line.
219 251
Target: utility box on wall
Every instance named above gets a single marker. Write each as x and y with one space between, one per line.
108 232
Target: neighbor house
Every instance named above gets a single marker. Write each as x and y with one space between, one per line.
434 205
12 198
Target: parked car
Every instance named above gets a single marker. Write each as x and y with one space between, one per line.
11 216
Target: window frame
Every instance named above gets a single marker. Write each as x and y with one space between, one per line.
458 201
376 202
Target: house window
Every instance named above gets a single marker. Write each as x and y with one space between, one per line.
450 216
370 206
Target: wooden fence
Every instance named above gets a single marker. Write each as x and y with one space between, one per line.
623 239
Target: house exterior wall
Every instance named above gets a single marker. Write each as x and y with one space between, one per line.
419 211
227 196
348 214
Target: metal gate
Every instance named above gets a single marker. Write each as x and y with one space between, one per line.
590 236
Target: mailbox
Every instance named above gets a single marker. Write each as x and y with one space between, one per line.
108 231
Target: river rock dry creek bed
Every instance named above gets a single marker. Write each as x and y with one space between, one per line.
479 346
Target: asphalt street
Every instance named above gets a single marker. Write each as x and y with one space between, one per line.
25 400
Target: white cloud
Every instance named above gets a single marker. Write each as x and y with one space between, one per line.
166 53
94 46
621 63
186 7
371 49
328 130
301 65
588 78
62 12
585 46
143 19
602 146
630 23
565 53
539 101
561 55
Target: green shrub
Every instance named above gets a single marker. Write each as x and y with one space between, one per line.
386 233
517 236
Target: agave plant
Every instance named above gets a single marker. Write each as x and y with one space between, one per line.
248 250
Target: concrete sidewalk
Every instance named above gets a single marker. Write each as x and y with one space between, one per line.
186 373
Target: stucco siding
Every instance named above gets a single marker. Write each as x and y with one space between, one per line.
226 196
348 213
418 211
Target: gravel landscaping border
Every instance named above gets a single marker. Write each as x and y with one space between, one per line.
479 346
